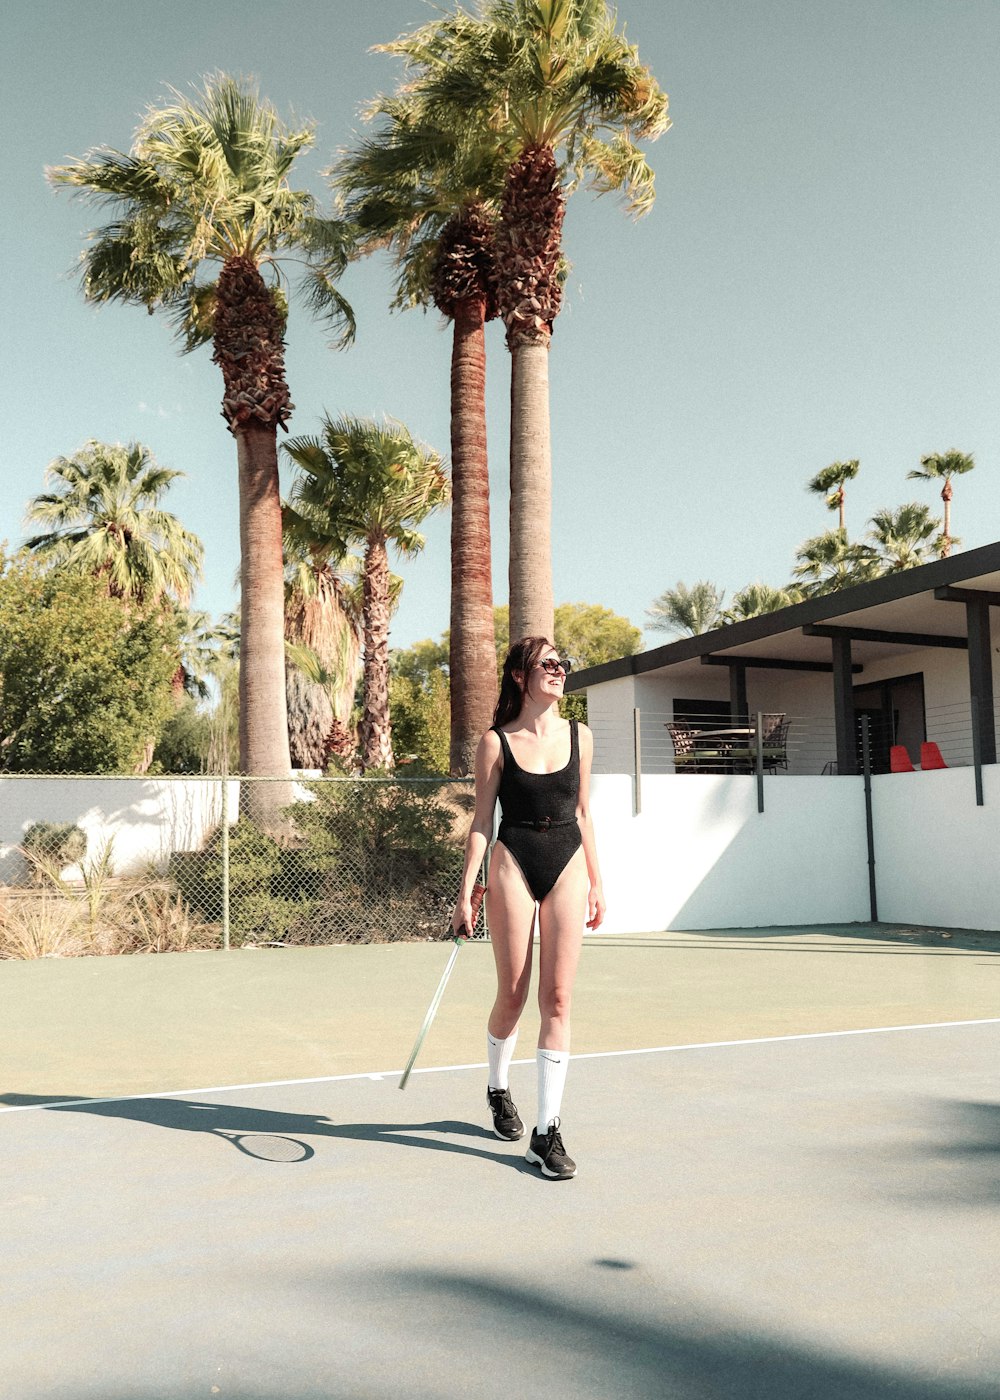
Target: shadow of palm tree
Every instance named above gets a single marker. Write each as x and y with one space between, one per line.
232 1120
968 1150
715 1359
525 1336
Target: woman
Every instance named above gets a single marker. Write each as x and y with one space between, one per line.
538 764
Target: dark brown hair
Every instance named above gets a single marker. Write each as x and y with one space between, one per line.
522 657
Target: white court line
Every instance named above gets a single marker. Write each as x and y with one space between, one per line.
444 1069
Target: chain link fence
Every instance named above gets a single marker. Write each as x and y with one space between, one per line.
99 865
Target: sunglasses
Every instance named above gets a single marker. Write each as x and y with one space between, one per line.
553 666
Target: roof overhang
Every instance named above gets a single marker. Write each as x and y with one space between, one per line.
900 613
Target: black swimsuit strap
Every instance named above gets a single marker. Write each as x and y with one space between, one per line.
574 748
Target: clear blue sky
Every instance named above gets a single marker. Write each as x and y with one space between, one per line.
818 280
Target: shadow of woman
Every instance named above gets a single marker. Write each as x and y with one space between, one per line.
237 1125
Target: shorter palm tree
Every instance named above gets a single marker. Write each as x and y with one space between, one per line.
942 466
688 611
903 538
367 483
829 562
322 645
757 599
830 483
103 517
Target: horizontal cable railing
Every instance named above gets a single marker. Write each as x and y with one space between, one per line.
711 742
804 744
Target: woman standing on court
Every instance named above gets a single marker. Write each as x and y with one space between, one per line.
538 765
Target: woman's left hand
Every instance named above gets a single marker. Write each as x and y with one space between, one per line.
595 907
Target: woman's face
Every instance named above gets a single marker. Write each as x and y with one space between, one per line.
546 679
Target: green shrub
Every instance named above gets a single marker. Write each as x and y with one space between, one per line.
370 862
56 844
387 858
259 909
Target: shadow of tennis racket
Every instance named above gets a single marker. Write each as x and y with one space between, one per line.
266 1147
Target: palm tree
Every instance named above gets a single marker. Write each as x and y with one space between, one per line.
829 562
903 538
203 215
689 611
322 625
757 599
103 517
367 483
942 466
555 79
830 483
199 643
413 188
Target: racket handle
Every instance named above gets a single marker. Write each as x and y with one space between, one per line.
476 900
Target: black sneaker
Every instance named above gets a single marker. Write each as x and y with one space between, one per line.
547 1151
506 1123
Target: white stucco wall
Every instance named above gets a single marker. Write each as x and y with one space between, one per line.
146 818
700 855
936 853
609 715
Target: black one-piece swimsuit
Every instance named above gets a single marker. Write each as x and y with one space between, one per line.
538 823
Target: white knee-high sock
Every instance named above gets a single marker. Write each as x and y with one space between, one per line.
500 1053
552 1067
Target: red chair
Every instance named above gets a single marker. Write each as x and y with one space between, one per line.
930 756
899 759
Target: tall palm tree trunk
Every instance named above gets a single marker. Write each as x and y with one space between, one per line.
472 656
946 494
264 750
529 251
249 348
532 612
376 728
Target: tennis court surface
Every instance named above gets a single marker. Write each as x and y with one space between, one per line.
789 1184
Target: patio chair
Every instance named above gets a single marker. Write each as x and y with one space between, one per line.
774 734
899 759
930 756
687 755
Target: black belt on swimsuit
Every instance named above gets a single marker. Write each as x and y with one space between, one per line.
543 823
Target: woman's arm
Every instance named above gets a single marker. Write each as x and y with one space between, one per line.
488 771
595 899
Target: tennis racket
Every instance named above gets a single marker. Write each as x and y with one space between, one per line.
477 898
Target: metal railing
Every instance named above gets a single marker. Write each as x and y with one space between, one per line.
713 742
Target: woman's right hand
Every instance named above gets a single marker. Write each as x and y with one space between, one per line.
462 921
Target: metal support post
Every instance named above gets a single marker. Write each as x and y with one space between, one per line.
977 749
225 857
866 763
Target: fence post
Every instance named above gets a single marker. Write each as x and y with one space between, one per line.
637 762
759 764
866 766
977 751
225 857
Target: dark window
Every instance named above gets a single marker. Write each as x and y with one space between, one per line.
703 714
895 710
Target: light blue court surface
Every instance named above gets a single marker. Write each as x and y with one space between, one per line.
801 1218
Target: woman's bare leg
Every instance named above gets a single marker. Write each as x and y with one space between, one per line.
510 910
560 930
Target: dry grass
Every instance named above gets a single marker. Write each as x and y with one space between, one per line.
103 914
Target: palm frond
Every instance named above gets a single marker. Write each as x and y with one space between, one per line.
321 295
